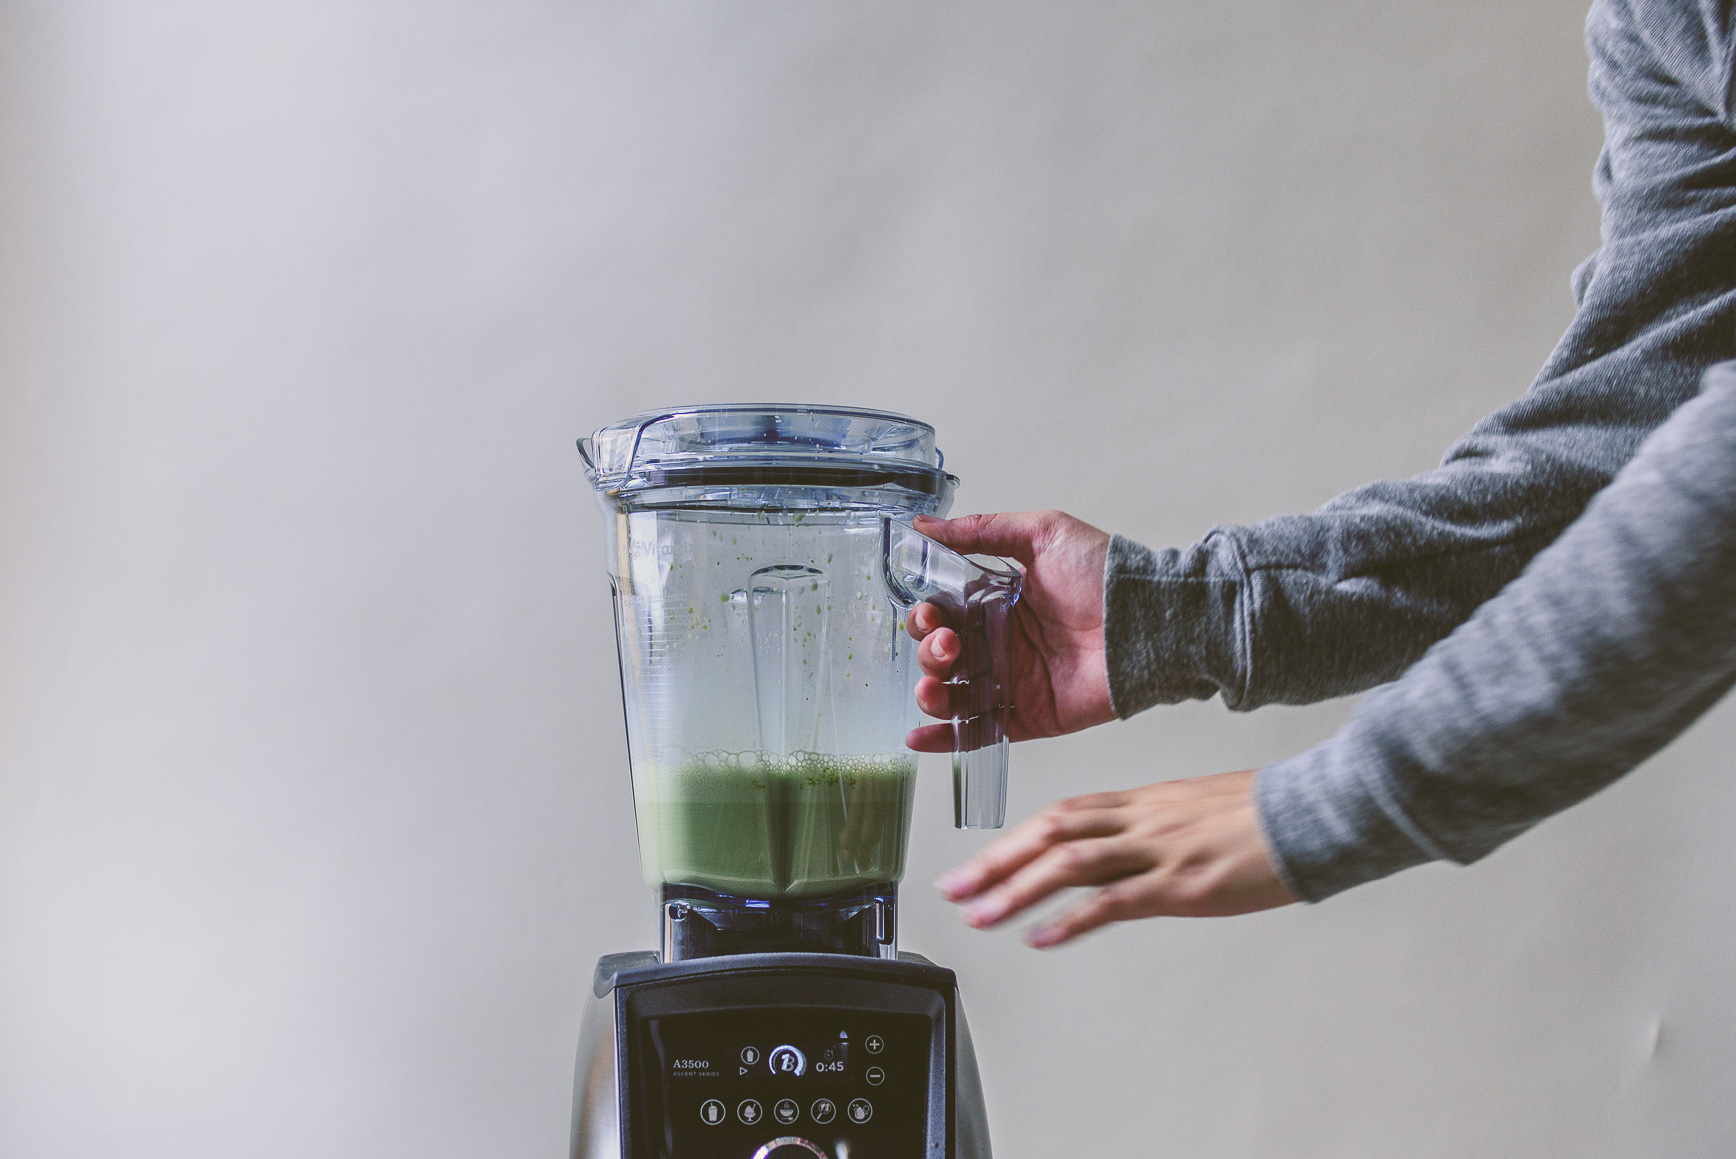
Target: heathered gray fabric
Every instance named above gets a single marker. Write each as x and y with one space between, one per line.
1300 608
1615 639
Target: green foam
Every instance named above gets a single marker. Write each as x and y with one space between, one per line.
766 826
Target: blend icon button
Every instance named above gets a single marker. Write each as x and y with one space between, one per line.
788 1060
711 1112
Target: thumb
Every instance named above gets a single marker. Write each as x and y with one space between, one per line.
1015 534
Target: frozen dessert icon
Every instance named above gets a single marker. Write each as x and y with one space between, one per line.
749 1112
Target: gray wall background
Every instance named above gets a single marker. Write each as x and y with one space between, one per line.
314 809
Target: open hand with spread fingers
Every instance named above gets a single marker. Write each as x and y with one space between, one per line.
1190 848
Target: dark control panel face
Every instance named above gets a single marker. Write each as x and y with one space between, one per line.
729 1081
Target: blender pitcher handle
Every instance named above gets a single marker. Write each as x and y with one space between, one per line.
977 596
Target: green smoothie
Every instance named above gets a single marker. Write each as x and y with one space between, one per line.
761 825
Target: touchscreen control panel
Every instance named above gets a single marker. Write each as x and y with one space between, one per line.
855 1083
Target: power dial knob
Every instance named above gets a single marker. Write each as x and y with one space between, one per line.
791 1147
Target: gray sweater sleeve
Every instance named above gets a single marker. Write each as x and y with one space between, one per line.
1301 608
1614 640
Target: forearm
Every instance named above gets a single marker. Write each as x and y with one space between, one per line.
1302 608
1614 640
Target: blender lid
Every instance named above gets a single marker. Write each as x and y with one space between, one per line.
766 444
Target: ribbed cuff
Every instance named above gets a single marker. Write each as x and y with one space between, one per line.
1172 624
1325 828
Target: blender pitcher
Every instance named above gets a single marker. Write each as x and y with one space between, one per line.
762 561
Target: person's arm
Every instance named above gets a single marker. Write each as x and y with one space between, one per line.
1301 608
1616 639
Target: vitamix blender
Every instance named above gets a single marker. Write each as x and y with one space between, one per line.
762 562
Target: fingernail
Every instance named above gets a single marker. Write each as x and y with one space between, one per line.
954 883
1043 937
983 913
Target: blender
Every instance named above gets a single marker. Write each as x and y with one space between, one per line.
762 560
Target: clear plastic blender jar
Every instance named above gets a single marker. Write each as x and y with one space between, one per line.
762 561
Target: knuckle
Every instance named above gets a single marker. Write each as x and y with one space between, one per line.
1077 856
1119 901
1051 823
1189 890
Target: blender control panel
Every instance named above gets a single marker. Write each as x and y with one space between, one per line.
853 1083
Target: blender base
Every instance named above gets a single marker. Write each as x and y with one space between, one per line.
776 1056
